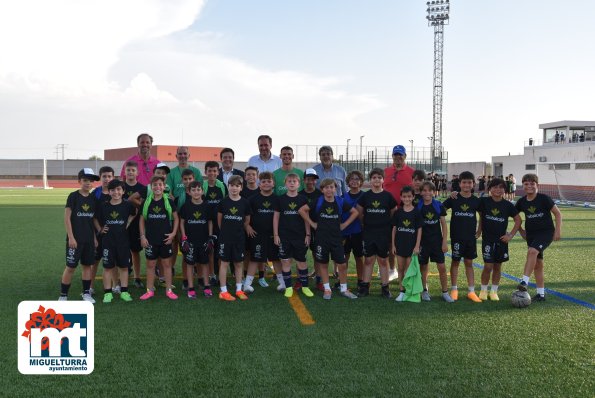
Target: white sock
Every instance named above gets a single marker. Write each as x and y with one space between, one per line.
454 287
495 288
541 290
223 289
471 289
248 281
484 287
526 279
327 286
238 287
280 280
343 287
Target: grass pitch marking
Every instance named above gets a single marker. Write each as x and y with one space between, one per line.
300 310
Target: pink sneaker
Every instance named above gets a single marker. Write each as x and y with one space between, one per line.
208 293
192 294
147 295
171 295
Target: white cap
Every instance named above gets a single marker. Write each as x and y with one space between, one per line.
310 173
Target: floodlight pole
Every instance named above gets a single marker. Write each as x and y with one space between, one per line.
438 16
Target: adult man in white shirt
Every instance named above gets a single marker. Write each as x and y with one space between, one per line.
265 160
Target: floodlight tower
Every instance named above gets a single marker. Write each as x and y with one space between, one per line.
438 11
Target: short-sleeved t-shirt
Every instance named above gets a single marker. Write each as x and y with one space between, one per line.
279 178
100 196
463 220
395 180
115 217
157 223
417 198
407 223
145 168
248 193
213 196
233 214
356 226
291 223
537 213
377 207
81 218
329 221
494 217
196 219
130 190
174 179
312 198
263 209
431 229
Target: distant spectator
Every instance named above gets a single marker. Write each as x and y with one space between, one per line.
557 137
562 138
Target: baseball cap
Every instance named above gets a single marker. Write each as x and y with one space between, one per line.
310 173
162 166
89 174
399 149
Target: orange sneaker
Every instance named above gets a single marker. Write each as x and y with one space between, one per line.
473 297
226 296
241 295
454 294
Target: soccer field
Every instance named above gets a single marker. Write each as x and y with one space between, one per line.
364 347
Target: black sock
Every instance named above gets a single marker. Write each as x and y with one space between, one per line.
64 289
107 290
137 279
124 289
359 282
261 274
185 282
287 278
303 274
86 286
207 287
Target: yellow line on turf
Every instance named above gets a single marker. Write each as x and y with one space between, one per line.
300 310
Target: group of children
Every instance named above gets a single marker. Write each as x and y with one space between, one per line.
247 226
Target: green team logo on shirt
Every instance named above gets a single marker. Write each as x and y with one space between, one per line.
129 193
495 212
266 204
233 210
156 209
197 214
465 207
415 201
85 207
406 223
292 205
532 209
329 210
375 204
429 216
213 195
114 214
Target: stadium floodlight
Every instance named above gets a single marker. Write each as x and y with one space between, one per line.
438 16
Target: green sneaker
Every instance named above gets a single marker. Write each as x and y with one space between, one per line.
307 292
289 292
108 297
125 296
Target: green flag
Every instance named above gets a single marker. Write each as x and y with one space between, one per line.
412 282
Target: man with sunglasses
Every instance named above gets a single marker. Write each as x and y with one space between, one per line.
146 163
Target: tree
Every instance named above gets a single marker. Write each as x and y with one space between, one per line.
95 157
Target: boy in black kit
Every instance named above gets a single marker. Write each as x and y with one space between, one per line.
539 231
80 234
495 211
214 191
158 225
233 218
135 193
433 240
196 227
101 195
251 185
327 213
464 232
312 194
375 208
112 219
419 177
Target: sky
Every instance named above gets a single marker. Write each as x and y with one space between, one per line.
95 74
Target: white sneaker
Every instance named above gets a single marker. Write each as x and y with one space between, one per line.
248 289
117 289
425 296
262 282
89 298
91 291
393 275
63 298
446 297
281 288
400 297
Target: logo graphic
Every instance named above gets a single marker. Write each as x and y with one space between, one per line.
55 337
129 194
213 195
430 216
233 210
266 204
465 207
532 209
292 205
406 223
495 212
85 207
114 214
375 204
329 210
197 214
156 209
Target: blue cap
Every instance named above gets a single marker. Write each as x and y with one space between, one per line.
399 149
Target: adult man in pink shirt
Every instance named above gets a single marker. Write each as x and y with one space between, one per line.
146 163
396 177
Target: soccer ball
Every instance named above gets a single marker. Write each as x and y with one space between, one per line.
520 299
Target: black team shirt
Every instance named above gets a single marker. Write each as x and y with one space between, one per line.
537 213
416 199
407 224
213 197
431 229
248 193
233 214
494 217
291 224
263 208
377 207
115 218
81 219
158 224
312 198
329 221
196 221
463 220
